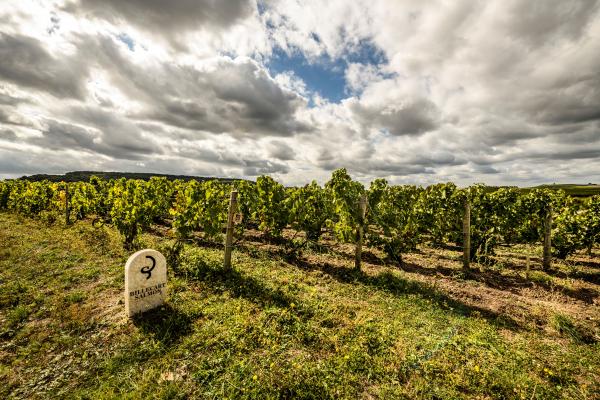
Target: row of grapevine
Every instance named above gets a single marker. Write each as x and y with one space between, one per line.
397 220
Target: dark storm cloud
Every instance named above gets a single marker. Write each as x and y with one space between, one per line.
280 150
13 163
384 166
485 169
208 153
257 99
588 133
166 18
7 135
102 133
264 167
426 163
61 136
236 97
25 62
538 23
120 137
327 160
411 117
547 153
497 132
569 154
572 110
224 156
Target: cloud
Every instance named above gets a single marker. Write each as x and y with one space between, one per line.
359 76
235 96
168 19
10 99
280 150
536 26
263 167
8 135
406 117
219 95
497 91
99 132
24 61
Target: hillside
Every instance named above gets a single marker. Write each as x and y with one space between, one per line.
79 176
575 189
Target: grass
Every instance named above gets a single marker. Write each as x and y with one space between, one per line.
271 328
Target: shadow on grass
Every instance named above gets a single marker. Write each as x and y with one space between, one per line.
367 255
446 246
457 258
250 288
255 236
494 279
591 277
241 285
537 260
166 323
399 286
590 264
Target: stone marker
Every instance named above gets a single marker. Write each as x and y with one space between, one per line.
145 281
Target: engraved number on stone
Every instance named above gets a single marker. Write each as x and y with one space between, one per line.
148 270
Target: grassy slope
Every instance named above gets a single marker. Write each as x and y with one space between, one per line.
269 329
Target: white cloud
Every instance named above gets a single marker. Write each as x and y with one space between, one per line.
498 91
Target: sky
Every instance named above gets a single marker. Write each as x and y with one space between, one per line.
502 92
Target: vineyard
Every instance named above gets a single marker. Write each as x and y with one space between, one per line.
333 291
395 219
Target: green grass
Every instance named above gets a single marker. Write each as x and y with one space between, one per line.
268 329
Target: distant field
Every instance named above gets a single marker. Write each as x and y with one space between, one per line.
575 190
571 189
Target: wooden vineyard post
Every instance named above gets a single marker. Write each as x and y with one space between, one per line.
67 203
467 235
547 240
362 209
229 231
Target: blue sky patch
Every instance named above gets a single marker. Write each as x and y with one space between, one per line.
125 38
365 52
325 75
